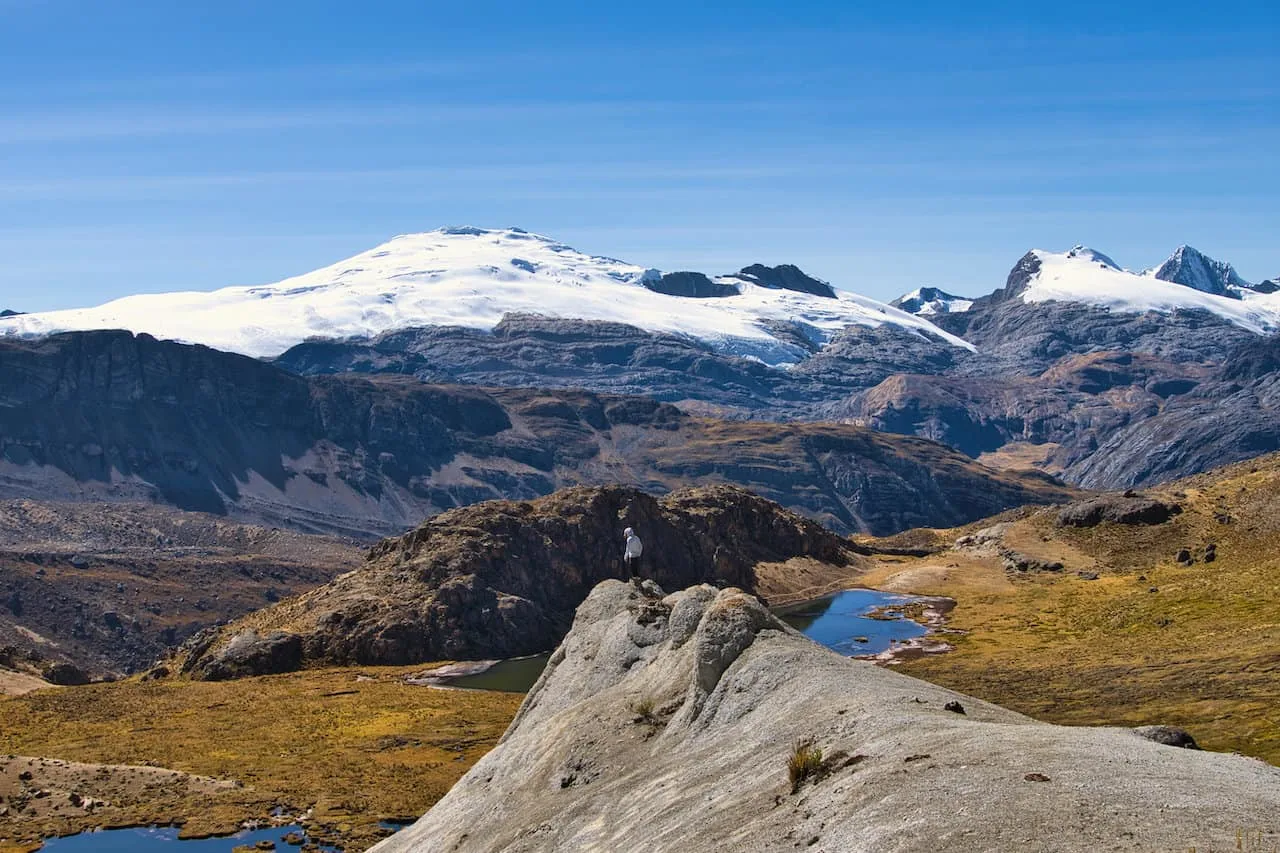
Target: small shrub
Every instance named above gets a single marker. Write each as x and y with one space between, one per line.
805 761
646 711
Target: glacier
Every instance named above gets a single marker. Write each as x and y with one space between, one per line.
472 277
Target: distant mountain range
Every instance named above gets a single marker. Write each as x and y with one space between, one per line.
1077 367
107 416
473 277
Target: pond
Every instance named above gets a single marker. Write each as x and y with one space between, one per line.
516 675
157 838
842 621
839 621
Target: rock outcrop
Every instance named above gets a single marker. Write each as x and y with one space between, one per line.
502 579
1119 509
698 721
787 277
693 285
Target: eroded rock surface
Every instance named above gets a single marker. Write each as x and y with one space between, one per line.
726 692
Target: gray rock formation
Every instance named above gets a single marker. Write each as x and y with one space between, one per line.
786 277
534 351
694 285
670 724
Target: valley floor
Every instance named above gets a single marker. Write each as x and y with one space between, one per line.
1149 640
358 745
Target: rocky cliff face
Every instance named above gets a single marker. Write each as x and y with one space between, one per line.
110 416
502 579
786 277
668 724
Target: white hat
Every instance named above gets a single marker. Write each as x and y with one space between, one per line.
628 532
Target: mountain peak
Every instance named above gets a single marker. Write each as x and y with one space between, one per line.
1188 281
931 300
469 277
1190 267
1085 253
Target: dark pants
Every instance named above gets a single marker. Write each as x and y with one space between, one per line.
633 567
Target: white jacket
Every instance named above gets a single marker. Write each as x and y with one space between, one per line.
634 547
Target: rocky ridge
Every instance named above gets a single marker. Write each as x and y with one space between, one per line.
502 579
678 717
110 416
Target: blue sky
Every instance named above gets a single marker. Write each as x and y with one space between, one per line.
150 146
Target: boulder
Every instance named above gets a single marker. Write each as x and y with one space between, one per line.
251 654
1119 509
1168 736
65 674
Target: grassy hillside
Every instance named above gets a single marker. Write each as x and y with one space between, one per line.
1151 640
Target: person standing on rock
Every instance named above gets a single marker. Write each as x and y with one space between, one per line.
631 555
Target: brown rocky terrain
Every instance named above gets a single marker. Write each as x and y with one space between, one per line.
90 589
337 751
44 795
502 578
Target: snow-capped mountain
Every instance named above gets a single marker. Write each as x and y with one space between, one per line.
472 277
1192 268
931 300
1188 280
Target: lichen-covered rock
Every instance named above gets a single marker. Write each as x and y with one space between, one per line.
1119 509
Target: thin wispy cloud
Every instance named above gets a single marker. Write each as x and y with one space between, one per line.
856 135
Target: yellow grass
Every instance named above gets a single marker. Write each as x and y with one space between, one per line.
1202 651
358 744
